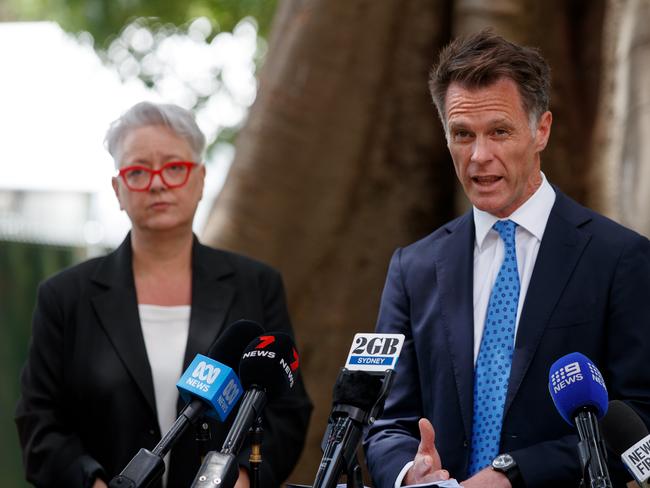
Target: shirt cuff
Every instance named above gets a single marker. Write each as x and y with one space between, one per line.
402 474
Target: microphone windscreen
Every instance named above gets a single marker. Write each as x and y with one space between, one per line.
575 383
357 388
622 427
270 362
231 343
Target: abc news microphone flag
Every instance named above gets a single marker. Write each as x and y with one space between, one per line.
209 388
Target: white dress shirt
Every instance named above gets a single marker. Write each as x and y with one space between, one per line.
165 331
531 219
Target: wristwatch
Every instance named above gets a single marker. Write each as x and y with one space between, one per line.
504 463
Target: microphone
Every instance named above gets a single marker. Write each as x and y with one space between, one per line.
209 388
627 436
358 400
267 370
580 396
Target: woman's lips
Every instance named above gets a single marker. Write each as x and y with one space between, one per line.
159 205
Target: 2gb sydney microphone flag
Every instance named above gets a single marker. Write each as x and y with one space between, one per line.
374 352
359 395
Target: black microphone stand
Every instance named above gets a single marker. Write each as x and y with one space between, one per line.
203 437
255 458
591 449
343 436
146 467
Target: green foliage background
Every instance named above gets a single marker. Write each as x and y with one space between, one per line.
22 267
105 18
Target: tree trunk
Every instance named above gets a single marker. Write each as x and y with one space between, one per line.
343 159
622 169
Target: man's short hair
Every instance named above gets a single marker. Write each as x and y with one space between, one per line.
479 60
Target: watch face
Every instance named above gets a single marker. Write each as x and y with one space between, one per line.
502 461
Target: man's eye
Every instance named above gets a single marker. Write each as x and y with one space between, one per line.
461 134
501 132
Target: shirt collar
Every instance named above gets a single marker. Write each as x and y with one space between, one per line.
532 215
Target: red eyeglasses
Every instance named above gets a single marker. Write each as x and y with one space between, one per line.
173 174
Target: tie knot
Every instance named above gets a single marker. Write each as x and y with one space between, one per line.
506 229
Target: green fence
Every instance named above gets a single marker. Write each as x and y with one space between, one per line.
22 267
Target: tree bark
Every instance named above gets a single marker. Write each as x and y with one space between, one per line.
622 165
341 160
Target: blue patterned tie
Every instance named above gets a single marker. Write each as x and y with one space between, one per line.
495 355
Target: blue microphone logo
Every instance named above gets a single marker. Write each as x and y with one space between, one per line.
212 382
566 376
574 383
206 372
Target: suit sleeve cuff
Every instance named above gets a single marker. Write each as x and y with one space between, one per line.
402 474
82 472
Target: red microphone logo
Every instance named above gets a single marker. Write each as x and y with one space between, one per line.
265 341
294 364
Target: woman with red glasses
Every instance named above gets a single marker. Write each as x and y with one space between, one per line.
111 336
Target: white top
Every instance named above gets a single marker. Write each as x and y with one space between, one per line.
531 219
165 331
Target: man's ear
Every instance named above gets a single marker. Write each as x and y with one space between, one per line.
543 131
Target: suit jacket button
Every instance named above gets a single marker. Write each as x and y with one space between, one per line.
152 432
465 443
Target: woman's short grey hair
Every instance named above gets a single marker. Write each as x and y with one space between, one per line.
178 119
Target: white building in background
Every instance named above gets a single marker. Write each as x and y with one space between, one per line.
56 101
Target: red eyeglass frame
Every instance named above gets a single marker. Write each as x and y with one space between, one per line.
153 172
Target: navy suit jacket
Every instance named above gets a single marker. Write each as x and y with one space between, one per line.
87 392
589 292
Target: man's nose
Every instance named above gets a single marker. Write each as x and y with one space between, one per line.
481 150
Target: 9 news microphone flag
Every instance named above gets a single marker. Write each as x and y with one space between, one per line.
210 388
580 396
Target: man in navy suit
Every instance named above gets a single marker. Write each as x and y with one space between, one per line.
490 300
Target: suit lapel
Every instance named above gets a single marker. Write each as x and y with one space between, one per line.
212 296
455 275
559 252
117 309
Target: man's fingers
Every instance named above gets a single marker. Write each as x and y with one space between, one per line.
427 437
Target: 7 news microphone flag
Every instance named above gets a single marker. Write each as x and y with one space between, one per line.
358 400
268 369
210 388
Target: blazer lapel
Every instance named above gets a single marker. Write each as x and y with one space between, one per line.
117 309
559 252
212 296
455 275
